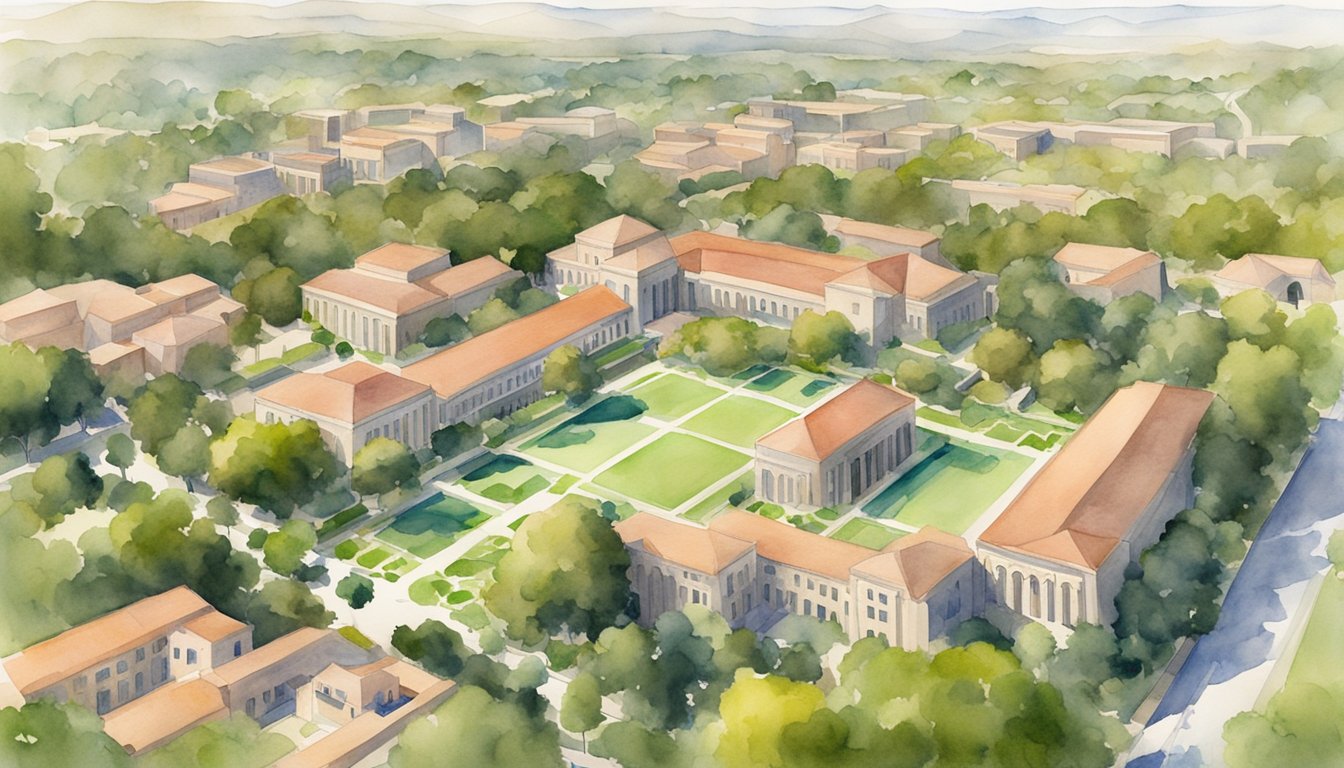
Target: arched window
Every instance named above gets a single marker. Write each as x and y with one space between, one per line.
1035 584
1066 606
1017 591
1001 585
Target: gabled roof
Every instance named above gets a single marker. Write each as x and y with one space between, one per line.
31 303
1089 496
772 263
177 330
1102 258
278 651
165 713
828 427
214 626
402 257
906 273
617 231
918 562
684 544
792 546
383 293
349 394
468 276
915 238
1261 269
643 256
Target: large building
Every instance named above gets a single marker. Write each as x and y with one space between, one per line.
303 173
742 564
1019 139
216 188
851 112
136 330
1057 554
840 451
379 143
1289 279
384 303
1104 273
752 146
1046 198
498 372
595 129
626 255
351 405
854 151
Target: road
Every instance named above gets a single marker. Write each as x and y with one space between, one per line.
1269 599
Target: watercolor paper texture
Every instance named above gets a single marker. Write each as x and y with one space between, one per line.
497 384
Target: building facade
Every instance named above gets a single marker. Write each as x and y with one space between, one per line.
631 258
1292 280
1104 273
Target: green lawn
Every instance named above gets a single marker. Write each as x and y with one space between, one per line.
301 352
867 533
373 557
1317 656
647 474
592 437
670 397
507 479
796 388
950 488
430 526
745 483
738 420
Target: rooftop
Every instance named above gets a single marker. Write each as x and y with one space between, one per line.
915 238
618 230
402 257
825 429
268 655
1261 269
1105 258
164 713
372 137
232 165
906 273
177 330
791 546
359 736
684 544
307 160
349 394
214 626
917 562
468 276
31 303
388 294
772 263
1085 500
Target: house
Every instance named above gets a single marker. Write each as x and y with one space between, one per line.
1104 273
1258 147
303 173
839 451
911 592
351 405
498 372
1046 198
628 256
1057 554
384 303
216 188
1289 279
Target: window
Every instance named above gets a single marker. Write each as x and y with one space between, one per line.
102 674
104 702
160 644
871 612
139 654
796 579
882 598
191 655
237 648
177 653
882 616
769 570
835 593
821 612
811 584
855 308
123 691
265 697
340 694
870 594
122 666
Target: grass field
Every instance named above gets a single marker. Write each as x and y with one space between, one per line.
592 437
796 388
702 511
950 488
738 420
507 479
867 533
430 526
670 470
1318 654
671 396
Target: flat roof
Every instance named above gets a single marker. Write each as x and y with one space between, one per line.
915 238
177 330
468 276
348 394
684 544
1104 258
386 293
827 428
31 303
402 257
232 165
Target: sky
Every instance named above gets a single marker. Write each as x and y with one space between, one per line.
957 5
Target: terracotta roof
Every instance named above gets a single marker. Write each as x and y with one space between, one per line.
30 303
383 293
102 639
268 655
164 713
219 308
468 276
233 165
1060 192
177 330
684 544
349 394
1087 498
771 263
360 736
1261 269
305 160
918 562
617 230
915 238
477 359
402 257
1104 258
104 354
214 626
104 299
188 284
791 546
412 679
642 257
906 273
828 427
372 137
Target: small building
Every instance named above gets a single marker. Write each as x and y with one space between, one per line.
1016 140
1046 198
1057 554
1104 273
840 451
376 155
351 405
304 173
384 303
848 156
1290 279
919 136
1259 147
884 240
325 127
752 145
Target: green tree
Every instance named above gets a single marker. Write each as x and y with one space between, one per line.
442 331
755 712
383 465
24 384
490 316
285 548
785 225
208 365
221 511
819 339
186 454
569 371
236 742
274 296
76 391
725 345
42 734
1005 355
581 706
632 190
62 484
120 452
160 408
566 571
433 645
455 439
282 606
276 466
472 730
356 590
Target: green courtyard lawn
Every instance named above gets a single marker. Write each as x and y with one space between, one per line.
670 396
867 533
507 479
796 388
430 526
670 470
743 484
1317 656
592 437
950 488
738 420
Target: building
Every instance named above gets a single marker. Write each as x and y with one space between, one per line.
351 405
325 127
1046 198
1016 140
1057 554
1019 139
134 330
919 136
884 240
377 155
1289 279
752 145
841 115
626 255
217 188
384 303
839 451
379 143
303 173
108 662
595 129
1104 273
910 593
498 372
1258 147
853 156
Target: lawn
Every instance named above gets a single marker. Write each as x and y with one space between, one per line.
867 533
1317 655
795 388
950 488
670 397
506 479
738 420
592 437
647 474
743 484
427 528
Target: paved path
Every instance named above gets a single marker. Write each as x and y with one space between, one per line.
1268 600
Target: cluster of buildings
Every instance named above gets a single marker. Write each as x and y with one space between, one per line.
171 662
217 188
1046 198
125 331
596 130
1020 139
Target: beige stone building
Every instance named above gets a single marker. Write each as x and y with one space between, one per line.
1104 273
752 145
910 593
1046 198
384 303
304 173
1016 140
1292 280
596 129
884 240
1057 554
498 372
216 188
626 255
840 451
377 155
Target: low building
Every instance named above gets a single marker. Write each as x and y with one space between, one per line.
325 127
1289 279
884 240
304 173
1046 198
596 129
498 372
909 593
626 255
384 303
1058 552
1259 147
847 114
839 451
1104 273
351 405
167 342
1016 140
216 188
919 136
376 155
854 157
753 146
